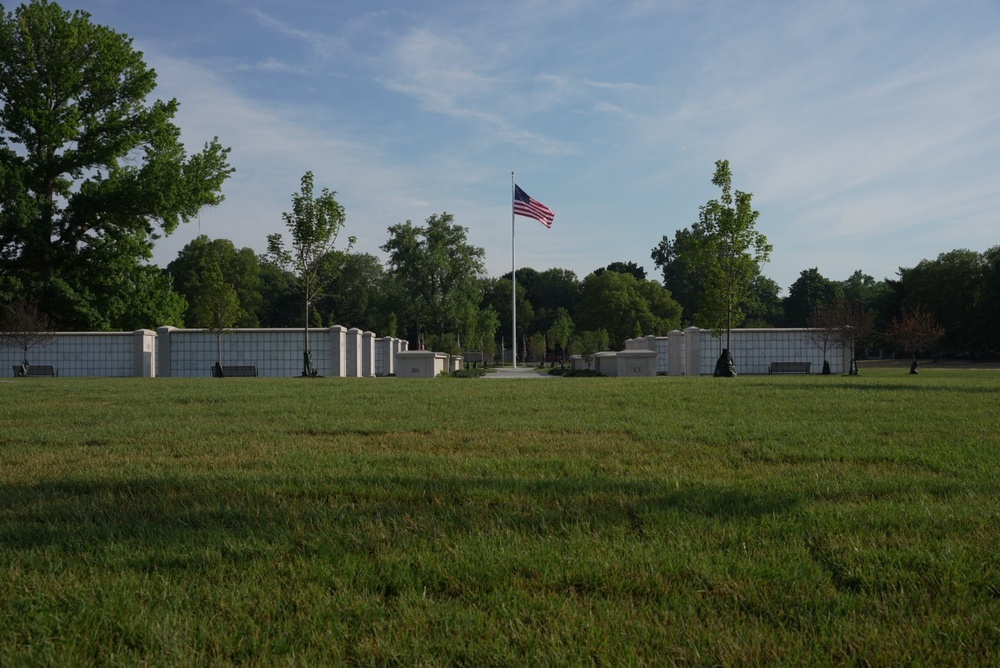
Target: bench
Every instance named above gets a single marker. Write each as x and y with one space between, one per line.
40 370
245 371
789 367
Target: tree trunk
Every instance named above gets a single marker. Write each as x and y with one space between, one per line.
306 358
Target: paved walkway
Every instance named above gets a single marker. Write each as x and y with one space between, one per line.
505 372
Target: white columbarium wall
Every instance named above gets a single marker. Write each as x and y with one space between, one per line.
753 351
79 354
191 353
336 351
385 350
695 352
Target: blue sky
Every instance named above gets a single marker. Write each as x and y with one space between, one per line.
868 132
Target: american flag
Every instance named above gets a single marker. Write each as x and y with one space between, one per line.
531 208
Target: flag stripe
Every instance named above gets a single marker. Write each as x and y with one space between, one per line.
532 208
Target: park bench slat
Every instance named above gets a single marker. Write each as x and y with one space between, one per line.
37 370
789 367
239 371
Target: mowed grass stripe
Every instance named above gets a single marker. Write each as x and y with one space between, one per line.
686 520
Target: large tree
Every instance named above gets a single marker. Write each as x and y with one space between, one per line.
313 224
684 273
988 321
356 297
863 289
92 169
626 307
546 291
764 305
950 288
195 270
624 268
497 296
440 272
279 296
811 290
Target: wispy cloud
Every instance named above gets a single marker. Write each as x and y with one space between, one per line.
448 77
272 65
322 44
273 145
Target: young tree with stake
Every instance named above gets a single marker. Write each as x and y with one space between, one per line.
313 224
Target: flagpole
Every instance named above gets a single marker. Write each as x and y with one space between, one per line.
513 278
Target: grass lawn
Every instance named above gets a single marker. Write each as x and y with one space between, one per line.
761 519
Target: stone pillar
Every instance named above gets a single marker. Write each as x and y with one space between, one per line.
145 353
353 352
675 353
651 343
692 344
441 363
338 351
163 351
368 354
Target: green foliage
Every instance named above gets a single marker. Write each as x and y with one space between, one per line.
713 268
951 288
92 170
489 324
356 294
540 296
988 321
763 307
202 264
590 342
218 306
445 343
863 289
684 272
632 521
560 331
621 304
624 268
437 271
144 299
811 290
313 225
498 296
279 297
536 347
732 252
579 373
469 373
